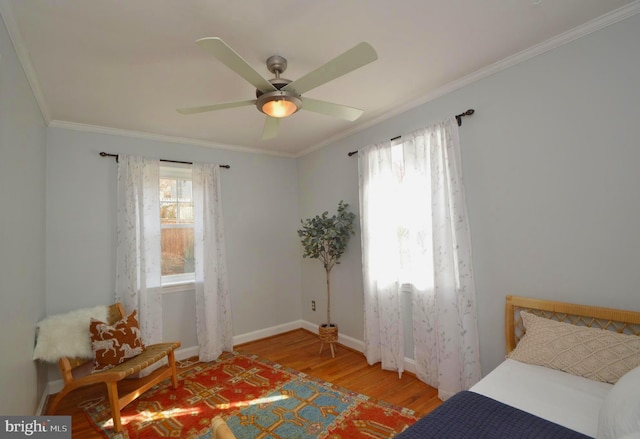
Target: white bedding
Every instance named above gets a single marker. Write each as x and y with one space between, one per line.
565 399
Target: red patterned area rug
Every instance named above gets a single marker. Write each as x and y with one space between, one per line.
258 399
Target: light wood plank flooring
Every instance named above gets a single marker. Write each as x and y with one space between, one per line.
299 350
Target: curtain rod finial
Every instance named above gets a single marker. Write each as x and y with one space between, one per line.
459 117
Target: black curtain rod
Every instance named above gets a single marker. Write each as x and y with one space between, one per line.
106 154
459 117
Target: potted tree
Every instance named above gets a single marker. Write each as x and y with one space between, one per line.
325 238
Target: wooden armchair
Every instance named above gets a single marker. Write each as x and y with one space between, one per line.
76 372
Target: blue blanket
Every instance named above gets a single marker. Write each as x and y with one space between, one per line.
469 415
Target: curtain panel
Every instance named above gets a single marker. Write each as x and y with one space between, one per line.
213 302
138 257
415 237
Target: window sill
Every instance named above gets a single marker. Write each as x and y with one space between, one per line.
178 287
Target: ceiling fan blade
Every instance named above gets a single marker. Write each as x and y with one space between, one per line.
214 107
354 58
235 62
270 130
331 109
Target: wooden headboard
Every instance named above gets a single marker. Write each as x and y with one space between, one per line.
627 322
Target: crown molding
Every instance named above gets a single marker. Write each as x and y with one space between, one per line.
97 129
23 56
578 32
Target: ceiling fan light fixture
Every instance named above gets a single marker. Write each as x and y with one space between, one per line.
279 104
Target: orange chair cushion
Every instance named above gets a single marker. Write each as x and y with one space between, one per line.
114 344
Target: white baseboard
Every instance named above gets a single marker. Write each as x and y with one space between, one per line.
184 353
267 332
410 365
344 340
54 387
356 345
43 400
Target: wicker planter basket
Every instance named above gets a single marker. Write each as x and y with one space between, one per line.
328 334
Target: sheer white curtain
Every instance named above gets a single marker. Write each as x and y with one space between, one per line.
138 263
415 238
213 303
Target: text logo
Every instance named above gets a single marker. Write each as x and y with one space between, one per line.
35 427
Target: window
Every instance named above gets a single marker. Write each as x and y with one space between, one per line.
398 219
176 224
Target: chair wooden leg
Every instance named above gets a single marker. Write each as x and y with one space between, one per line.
112 388
174 372
56 400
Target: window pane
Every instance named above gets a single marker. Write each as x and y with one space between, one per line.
176 219
177 251
184 189
168 212
168 189
185 212
176 203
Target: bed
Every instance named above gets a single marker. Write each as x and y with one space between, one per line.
563 378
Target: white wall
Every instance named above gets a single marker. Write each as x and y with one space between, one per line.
259 196
550 161
22 241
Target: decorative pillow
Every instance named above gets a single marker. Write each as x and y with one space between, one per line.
620 411
115 344
592 353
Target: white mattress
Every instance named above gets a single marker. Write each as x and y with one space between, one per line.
565 399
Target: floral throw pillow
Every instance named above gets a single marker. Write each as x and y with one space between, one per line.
114 344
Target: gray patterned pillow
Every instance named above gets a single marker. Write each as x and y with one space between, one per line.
592 353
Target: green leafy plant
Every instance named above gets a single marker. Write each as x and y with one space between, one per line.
326 238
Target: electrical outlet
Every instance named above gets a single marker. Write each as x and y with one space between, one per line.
313 305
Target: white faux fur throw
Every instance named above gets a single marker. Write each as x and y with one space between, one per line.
67 335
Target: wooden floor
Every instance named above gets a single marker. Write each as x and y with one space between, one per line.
299 350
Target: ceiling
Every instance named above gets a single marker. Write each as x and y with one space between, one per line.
128 65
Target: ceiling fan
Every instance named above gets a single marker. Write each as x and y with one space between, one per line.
279 97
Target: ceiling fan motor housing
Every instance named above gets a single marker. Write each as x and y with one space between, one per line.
277 83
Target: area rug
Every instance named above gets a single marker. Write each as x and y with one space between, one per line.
258 399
